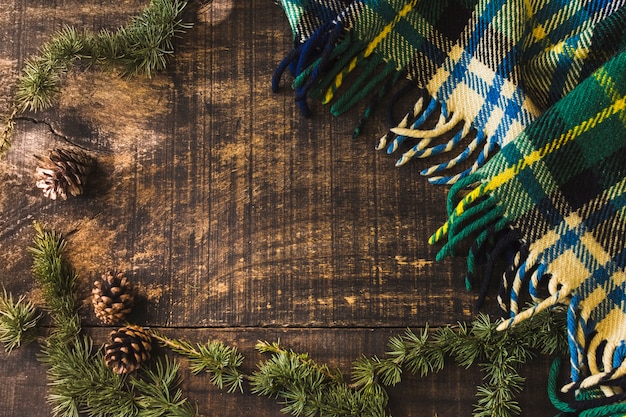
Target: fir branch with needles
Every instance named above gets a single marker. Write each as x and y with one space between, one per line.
80 382
305 387
499 354
141 47
220 361
18 321
158 393
79 379
57 281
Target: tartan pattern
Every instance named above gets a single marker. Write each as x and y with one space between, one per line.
410 37
559 53
306 16
485 67
480 79
561 184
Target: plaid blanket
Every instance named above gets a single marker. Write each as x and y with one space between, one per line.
491 65
559 189
543 84
307 16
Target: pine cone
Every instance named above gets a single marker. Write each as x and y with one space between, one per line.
63 171
130 347
112 298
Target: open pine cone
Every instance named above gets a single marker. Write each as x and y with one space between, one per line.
112 298
130 347
63 172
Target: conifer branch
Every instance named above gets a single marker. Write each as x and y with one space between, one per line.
220 361
79 381
304 387
57 281
142 47
498 353
17 321
158 393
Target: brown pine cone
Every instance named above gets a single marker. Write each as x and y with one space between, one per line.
112 298
130 347
63 172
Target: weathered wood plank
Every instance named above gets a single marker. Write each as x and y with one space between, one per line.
220 201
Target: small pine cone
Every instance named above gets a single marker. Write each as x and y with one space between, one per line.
63 172
130 346
112 298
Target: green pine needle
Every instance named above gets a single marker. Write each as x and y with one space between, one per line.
220 361
158 392
78 377
499 355
57 281
142 47
306 388
18 320
80 381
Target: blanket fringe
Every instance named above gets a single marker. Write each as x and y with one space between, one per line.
505 240
504 293
476 215
592 354
456 209
376 99
358 91
596 401
534 272
321 64
605 360
410 128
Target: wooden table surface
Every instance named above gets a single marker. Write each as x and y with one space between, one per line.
236 218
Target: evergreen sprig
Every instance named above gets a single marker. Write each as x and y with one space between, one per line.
18 319
499 354
141 47
220 361
158 393
307 388
57 281
79 381
78 377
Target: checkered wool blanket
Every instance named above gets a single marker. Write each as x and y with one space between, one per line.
558 193
489 66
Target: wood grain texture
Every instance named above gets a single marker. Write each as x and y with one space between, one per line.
234 217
